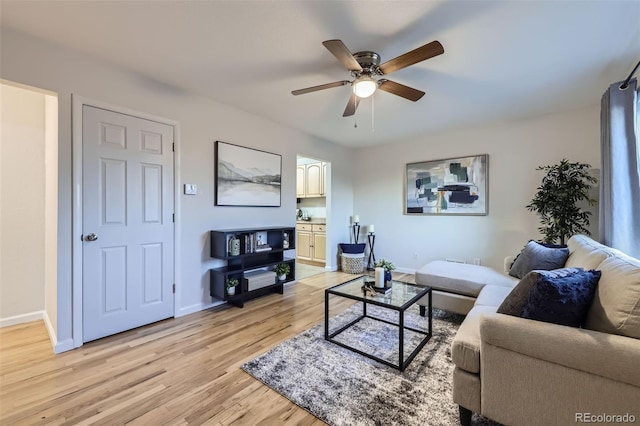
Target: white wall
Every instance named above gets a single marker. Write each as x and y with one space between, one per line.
202 121
515 150
22 200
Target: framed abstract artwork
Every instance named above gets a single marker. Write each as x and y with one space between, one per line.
453 186
246 177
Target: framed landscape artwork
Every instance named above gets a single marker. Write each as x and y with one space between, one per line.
454 186
246 177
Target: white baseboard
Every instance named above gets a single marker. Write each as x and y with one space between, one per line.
58 347
197 308
331 268
65 345
52 332
21 319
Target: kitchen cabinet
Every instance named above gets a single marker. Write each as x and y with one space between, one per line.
311 242
300 180
310 180
320 246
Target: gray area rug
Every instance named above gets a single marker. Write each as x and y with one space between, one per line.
342 387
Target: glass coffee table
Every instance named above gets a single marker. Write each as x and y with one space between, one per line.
399 299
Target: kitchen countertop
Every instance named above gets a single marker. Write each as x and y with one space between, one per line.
314 221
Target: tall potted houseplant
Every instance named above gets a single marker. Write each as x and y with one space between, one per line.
556 202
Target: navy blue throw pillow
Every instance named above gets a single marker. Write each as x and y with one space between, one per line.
562 300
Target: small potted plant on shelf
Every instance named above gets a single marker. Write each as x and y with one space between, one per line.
388 267
231 286
282 270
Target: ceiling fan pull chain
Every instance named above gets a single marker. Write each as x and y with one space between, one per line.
373 127
355 121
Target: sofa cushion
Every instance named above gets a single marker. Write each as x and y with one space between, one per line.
460 278
538 256
616 305
562 300
465 349
492 295
517 298
585 253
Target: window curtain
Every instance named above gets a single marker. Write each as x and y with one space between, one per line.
619 224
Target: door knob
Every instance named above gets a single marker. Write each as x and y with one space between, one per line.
92 237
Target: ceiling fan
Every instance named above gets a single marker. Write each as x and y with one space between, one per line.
364 66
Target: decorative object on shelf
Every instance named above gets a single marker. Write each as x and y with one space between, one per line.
564 186
246 177
234 246
356 228
388 266
371 237
282 270
454 186
231 286
260 242
285 240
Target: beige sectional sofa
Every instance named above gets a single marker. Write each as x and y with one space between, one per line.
522 372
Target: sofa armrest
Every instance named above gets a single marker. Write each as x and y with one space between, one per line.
603 354
508 261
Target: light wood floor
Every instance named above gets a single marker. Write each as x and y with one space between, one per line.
175 372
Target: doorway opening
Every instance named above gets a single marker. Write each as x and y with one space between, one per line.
313 193
29 199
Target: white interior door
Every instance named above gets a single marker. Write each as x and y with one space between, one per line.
127 214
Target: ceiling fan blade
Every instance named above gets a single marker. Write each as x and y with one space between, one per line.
342 53
420 54
352 105
400 90
320 87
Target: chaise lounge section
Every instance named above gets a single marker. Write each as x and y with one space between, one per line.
456 286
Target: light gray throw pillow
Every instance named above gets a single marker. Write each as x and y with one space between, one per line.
537 256
515 301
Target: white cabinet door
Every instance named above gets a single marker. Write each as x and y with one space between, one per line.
314 180
300 181
303 245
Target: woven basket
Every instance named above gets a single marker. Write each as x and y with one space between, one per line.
353 263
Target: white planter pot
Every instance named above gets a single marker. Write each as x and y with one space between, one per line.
282 277
231 291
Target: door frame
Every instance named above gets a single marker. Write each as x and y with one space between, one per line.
77 103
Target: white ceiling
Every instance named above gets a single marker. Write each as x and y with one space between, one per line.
502 60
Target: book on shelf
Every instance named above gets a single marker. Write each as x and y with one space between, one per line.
256 242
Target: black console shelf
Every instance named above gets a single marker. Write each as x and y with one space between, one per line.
261 249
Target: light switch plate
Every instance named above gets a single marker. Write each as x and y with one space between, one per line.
190 189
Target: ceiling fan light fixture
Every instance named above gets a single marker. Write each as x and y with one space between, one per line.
364 86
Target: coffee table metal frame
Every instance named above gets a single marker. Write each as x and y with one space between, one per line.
379 301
